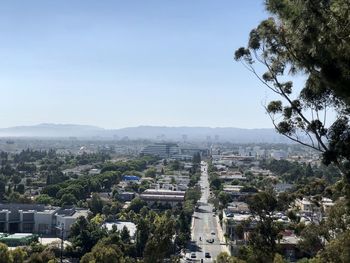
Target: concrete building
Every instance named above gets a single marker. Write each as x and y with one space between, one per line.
36 218
163 150
26 218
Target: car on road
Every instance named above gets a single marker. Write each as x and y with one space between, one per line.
193 255
207 255
212 232
210 240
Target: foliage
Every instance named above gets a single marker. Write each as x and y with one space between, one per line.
84 235
311 240
263 238
223 257
44 199
159 244
308 37
338 250
105 254
5 254
151 172
136 205
95 204
18 255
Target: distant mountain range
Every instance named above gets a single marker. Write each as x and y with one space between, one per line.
48 130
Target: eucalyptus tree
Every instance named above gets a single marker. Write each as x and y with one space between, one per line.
310 38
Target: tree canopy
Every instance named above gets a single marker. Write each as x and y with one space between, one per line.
310 38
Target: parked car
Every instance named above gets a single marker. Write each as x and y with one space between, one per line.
210 240
193 255
207 255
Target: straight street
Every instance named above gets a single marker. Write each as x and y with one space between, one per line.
206 232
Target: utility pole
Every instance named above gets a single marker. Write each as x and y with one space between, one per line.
61 228
61 256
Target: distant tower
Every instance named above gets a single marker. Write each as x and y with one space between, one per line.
184 137
217 137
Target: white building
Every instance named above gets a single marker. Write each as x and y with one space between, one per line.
65 218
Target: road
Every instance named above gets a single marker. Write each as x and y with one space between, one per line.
205 225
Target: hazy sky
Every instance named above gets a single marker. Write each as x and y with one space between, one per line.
127 63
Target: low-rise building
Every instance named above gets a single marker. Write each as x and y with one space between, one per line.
66 217
126 196
36 218
230 176
304 205
236 227
163 197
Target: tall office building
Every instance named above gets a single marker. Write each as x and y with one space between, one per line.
163 150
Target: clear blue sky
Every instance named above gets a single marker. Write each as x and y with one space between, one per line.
127 63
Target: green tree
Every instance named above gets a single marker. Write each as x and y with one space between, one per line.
278 259
16 179
338 250
87 258
263 237
84 235
142 234
2 186
311 239
223 257
68 199
5 254
20 188
159 245
96 204
18 255
151 172
224 198
107 254
136 205
309 37
44 199
125 235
